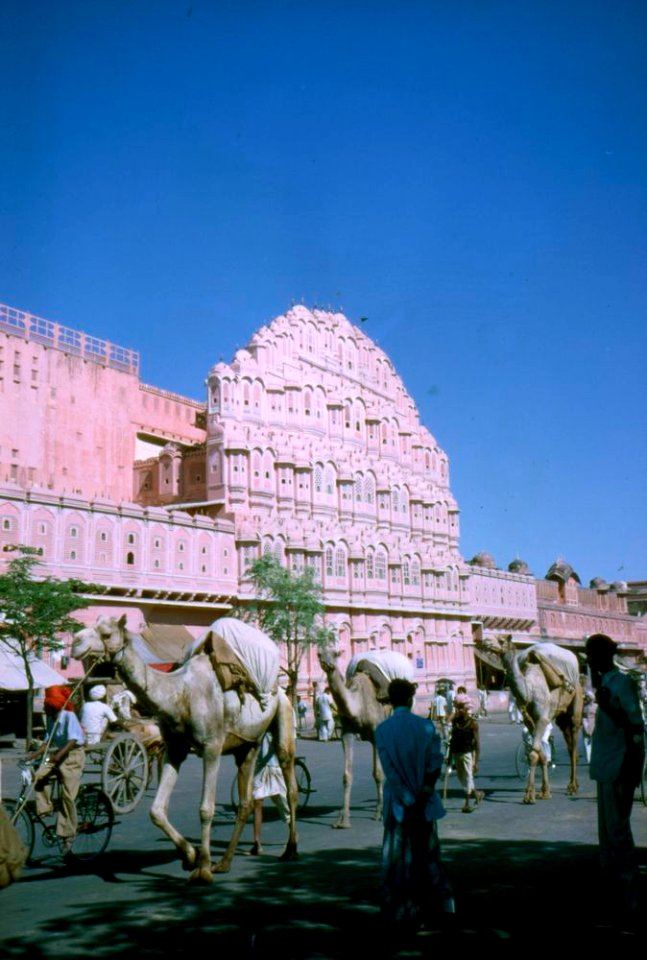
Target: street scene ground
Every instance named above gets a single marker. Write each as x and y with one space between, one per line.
520 873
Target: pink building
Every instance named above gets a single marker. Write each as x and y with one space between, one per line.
308 446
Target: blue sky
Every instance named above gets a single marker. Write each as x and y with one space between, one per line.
470 176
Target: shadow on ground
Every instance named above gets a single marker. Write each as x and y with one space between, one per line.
323 906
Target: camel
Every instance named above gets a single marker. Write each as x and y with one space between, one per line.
195 714
544 680
360 711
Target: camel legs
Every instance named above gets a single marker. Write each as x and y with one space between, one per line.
343 821
210 766
378 776
570 731
246 803
285 750
535 756
174 758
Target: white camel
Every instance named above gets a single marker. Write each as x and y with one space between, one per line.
544 681
361 709
195 714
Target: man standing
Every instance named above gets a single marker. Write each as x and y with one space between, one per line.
440 711
413 878
617 756
324 715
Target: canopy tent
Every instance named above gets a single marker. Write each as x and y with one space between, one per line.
14 677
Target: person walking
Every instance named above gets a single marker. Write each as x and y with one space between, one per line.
268 783
415 886
617 757
324 715
301 711
439 713
465 748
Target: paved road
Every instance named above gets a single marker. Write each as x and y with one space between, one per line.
519 873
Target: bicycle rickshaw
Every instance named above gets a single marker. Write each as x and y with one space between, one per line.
95 817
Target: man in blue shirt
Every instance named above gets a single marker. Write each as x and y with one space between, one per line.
617 755
413 878
65 738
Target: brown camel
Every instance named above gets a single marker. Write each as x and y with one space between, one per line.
544 681
360 712
194 714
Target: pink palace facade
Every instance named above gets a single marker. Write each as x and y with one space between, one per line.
308 446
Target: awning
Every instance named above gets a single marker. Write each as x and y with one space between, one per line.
14 677
491 659
165 642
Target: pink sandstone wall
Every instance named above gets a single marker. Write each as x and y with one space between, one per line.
72 406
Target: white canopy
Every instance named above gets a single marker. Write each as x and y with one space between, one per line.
14 677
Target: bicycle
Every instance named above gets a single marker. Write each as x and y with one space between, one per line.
304 785
522 762
95 818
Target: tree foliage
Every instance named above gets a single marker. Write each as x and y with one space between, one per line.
35 611
288 609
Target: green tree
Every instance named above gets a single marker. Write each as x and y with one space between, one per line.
288 609
33 611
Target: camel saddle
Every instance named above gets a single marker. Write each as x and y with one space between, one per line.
381 666
230 671
379 680
559 666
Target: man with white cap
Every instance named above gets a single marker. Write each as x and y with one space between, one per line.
96 714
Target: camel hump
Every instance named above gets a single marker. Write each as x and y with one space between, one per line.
560 667
382 666
243 657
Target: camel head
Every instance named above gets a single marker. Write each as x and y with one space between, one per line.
105 639
500 645
328 655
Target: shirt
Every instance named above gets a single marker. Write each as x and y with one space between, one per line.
410 751
609 746
95 717
66 727
323 705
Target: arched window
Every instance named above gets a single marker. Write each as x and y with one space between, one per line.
329 561
395 500
318 478
369 488
330 481
370 572
380 565
340 563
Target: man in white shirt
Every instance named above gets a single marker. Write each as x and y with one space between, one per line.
96 715
324 715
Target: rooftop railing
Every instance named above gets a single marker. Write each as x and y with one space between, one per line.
51 334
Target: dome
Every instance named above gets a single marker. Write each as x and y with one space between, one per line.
483 559
519 566
598 583
562 572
